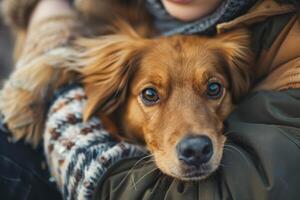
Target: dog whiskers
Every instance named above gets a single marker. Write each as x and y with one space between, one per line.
227 133
135 183
233 148
222 165
135 165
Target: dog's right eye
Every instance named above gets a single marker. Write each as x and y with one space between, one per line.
149 96
214 90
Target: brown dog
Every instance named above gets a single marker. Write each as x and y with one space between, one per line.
170 93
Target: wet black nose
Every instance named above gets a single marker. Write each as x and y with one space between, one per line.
195 150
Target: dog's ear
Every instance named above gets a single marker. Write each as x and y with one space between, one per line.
109 62
233 49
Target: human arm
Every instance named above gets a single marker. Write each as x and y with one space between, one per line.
78 152
41 50
52 27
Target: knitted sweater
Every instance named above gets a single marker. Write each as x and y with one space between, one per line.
79 153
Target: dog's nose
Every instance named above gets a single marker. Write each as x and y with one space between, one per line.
195 150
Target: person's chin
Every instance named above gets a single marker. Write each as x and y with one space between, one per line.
184 13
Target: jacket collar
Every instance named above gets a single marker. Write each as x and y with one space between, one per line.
262 10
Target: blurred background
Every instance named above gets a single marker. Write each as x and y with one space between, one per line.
5 50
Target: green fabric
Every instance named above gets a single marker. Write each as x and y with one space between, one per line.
264 162
263 34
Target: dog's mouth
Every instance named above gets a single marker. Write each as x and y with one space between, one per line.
191 158
197 173
194 174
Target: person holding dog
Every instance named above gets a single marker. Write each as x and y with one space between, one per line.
264 129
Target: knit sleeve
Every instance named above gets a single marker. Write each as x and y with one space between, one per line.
78 152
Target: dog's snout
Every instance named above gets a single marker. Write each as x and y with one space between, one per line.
195 150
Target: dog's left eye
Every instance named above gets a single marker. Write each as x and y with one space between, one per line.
214 90
149 96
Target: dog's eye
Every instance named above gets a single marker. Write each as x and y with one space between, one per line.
149 96
214 90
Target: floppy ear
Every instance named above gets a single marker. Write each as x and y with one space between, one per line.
109 62
233 48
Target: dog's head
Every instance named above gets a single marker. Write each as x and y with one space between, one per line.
173 93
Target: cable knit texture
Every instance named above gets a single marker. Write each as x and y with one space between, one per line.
79 153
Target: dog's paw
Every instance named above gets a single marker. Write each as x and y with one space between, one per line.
16 13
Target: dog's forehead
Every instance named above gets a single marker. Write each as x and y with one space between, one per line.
180 50
180 55
174 62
